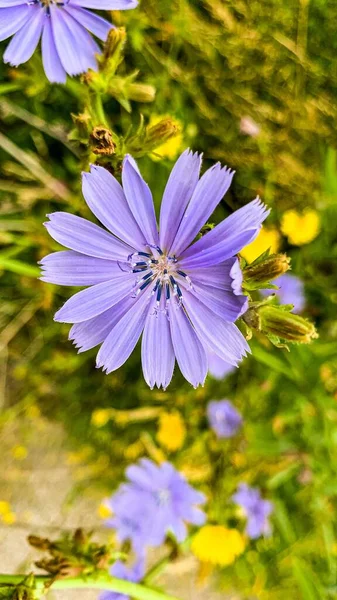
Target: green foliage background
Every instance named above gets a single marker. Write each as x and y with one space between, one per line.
211 62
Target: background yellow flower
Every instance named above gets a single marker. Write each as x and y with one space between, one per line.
172 431
217 544
267 238
300 228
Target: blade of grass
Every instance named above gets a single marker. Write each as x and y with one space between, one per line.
33 165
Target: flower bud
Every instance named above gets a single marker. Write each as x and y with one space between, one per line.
279 322
140 92
113 50
259 274
161 132
82 127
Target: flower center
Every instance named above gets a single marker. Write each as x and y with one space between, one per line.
163 497
162 271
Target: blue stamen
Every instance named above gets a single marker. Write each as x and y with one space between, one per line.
159 291
147 276
142 287
156 248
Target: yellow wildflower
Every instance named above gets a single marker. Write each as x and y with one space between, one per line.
8 518
19 452
172 431
101 417
6 515
169 149
104 511
267 238
238 459
300 228
217 545
4 507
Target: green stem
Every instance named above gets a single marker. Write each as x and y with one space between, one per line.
107 583
99 109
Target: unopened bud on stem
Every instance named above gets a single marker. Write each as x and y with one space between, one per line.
260 273
113 50
140 92
286 325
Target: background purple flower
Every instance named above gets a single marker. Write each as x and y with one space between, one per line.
123 571
183 295
130 524
223 418
157 500
291 291
256 510
67 46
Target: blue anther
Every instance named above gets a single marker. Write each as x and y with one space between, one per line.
159 291
147 276
142 287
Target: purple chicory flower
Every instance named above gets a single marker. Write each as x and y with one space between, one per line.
134 573
129 518
158 500
63 27
291 291
256 510
184 295
223 418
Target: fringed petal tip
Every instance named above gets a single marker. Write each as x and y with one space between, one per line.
197 155
263 209
237 278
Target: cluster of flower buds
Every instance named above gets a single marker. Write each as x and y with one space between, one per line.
276 321
71 556
121 87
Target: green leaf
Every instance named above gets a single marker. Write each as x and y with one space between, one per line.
310 589
273 362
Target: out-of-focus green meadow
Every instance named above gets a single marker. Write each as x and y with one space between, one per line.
212 63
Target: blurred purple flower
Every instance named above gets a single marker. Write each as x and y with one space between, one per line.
130 523
223 418
123 571
291 291
67 46
159 501
256 510
183 296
